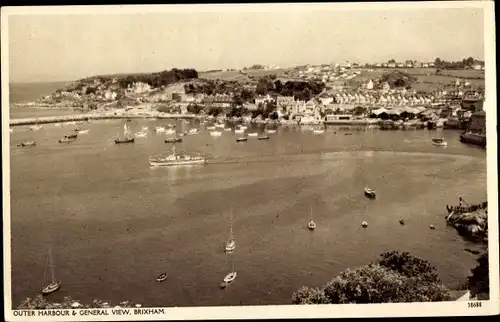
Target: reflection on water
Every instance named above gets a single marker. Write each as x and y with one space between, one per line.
97 202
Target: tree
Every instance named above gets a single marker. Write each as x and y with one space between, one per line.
306 295
359 110
396 278
409 266
479 281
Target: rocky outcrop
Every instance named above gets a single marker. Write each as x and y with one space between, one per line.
471 225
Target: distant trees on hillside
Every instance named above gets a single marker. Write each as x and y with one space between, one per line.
463 64
398 79
301 90
163 78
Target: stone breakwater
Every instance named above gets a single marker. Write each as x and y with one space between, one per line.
91 116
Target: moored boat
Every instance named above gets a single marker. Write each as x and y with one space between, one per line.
270 131
128 137
174 159
160 129
141 134
27 143
35 127
120 141
439 142
253 134
241 139
67 139
161 277
263 137
239 131
173 140
54 285
82 131
211 128
318 131
370 192
215 133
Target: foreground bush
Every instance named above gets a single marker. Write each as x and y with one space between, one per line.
395 278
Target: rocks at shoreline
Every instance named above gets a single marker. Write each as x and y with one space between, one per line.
471 225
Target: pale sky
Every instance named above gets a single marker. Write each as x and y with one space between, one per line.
62 47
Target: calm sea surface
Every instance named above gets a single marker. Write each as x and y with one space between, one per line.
114 224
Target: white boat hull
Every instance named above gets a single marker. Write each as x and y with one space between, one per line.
215 133
440 143
253 134
271 131
318 132
51 288
230 246
230 277
141 134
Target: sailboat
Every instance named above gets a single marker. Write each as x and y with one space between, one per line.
230 277
53 285
231 243
128 138
311 223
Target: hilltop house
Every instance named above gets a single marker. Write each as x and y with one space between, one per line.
369 85
263 99
138 88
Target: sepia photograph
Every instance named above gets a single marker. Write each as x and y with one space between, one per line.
249 161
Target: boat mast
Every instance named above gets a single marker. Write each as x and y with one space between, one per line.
51 265
231 237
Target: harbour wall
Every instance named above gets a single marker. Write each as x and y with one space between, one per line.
88 117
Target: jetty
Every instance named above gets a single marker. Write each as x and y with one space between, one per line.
95 116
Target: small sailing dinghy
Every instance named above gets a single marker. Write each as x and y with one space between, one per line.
67 139
53 285
311 225
173 140
439 142
161 277
239 131
82 131
370 193
128 137
318 131
231 243
26 143
229 278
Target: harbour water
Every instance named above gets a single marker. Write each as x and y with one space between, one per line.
114 223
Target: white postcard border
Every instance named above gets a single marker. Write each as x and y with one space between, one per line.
279 311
